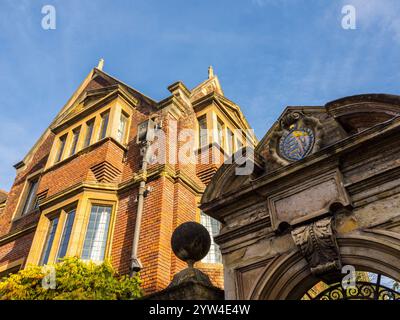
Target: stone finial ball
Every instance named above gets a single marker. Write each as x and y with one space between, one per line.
190 242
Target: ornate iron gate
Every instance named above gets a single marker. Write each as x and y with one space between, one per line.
363 290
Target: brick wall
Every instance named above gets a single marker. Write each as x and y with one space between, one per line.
170 203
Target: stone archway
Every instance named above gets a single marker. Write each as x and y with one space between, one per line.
289 276
325 193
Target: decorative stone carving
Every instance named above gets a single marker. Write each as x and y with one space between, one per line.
247 216
318 245
297 136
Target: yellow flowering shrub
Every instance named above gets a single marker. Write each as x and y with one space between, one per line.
71 279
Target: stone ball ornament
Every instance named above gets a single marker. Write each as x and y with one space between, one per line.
190 242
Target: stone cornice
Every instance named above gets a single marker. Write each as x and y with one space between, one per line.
153 173
179 85
12 236
172 105
250 229
76 189
167 171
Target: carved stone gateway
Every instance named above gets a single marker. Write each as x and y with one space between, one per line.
327 196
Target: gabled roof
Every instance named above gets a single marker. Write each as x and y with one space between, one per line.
99 85
211 88
95 80
212 84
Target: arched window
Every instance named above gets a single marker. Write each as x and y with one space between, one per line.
213 226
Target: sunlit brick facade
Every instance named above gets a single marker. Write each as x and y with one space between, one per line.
76 191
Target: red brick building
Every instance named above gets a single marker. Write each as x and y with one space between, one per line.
76 191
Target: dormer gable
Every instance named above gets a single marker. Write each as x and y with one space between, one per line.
208 86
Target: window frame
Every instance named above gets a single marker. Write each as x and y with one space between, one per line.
230 138
220 133
123 137
60 213
203 132
214 248
66 214
89 127
99 202
76 133
18 213
61 144
239 143
26 209
46 248
101 124
104 124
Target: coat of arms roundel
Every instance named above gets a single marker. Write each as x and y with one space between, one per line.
297 136
296 143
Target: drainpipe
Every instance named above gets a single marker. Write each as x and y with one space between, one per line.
136 265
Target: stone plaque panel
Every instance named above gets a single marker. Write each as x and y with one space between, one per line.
310 199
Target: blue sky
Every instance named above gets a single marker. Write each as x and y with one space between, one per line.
267 54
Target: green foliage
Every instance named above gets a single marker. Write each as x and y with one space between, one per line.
74 280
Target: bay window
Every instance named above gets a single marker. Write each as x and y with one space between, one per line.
107 122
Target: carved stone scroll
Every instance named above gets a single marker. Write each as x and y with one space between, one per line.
318 245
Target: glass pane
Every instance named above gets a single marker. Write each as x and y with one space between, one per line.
239 144
31 197
66 234
61 147
75 141
104 124
213 226
49 241
89 132
122 128
203 131
230 140
220 133
96 235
